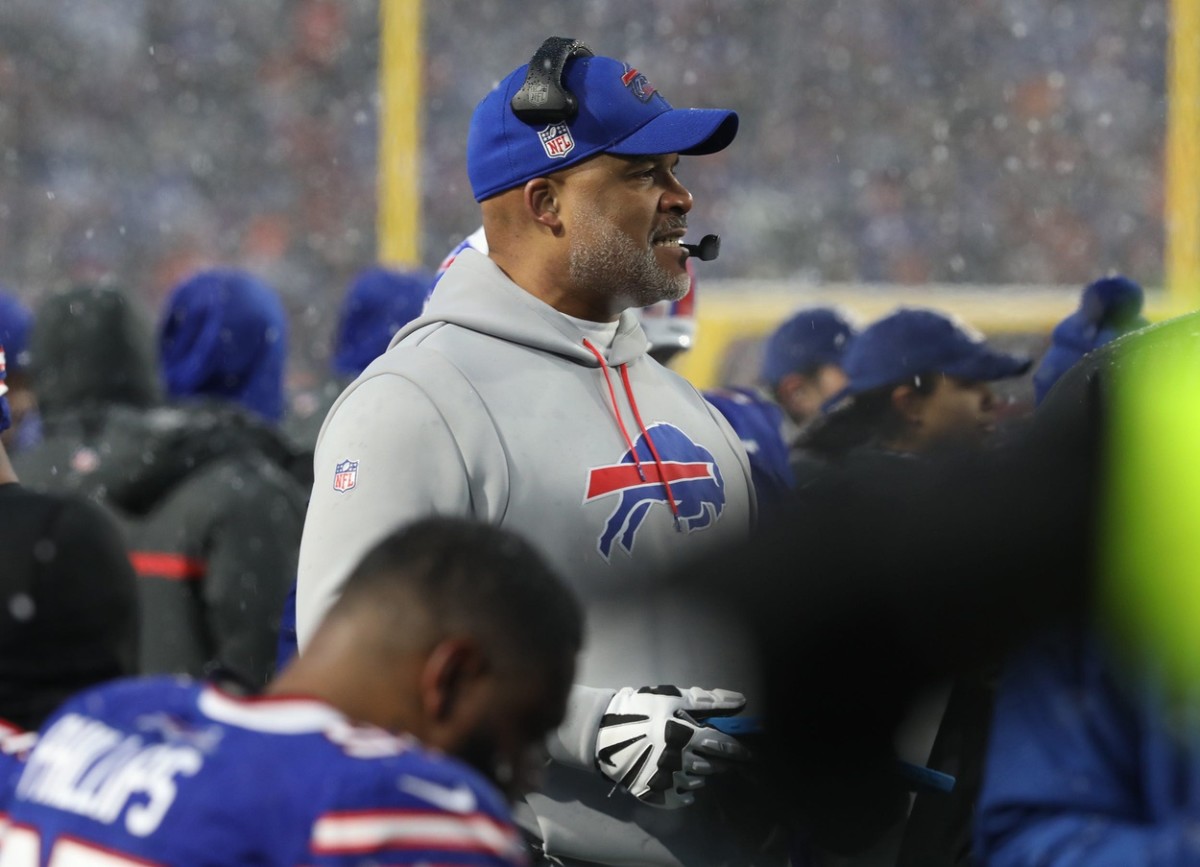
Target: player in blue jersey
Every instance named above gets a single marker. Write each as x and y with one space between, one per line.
450 639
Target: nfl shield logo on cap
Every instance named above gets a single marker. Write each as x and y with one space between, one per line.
557 141
345 476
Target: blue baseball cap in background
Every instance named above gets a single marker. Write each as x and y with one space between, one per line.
910 342
620 112
807 339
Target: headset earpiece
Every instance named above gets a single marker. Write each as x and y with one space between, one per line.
542 98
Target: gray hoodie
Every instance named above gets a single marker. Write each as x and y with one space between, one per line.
494 405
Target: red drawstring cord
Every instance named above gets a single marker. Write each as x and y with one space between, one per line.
662 470
612 397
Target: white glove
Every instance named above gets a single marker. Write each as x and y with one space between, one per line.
652 741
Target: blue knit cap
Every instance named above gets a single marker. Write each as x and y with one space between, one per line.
1108 308
805 340
224 335
16 321
378 304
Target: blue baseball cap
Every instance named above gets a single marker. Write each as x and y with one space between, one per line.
911 342
807 339
620 112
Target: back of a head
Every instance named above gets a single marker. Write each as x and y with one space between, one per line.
90 346
70 618
379 303
224 336
472 578
805 341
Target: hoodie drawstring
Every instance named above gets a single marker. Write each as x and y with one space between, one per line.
612 396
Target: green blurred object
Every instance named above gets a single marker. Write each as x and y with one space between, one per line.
1150 530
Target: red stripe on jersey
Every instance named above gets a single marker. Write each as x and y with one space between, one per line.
172 567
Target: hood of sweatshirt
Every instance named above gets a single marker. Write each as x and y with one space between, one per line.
474 293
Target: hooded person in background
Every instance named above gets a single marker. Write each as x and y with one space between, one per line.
223 337
1108 308
16 322
801 369
379 302
211 519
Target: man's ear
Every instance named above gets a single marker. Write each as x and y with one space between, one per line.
541 200
797 394
907 401
449 670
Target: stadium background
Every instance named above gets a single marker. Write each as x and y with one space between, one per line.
986 156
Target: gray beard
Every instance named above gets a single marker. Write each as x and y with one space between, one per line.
606 261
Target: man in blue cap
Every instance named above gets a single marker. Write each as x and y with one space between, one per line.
524 396
917 380
801 369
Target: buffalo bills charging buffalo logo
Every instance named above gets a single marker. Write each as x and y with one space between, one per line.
691 470
637 83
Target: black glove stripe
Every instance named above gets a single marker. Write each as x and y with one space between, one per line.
605 755
627 780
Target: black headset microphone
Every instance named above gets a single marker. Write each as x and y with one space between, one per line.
543 99
707 250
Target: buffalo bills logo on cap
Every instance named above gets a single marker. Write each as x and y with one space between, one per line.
345 476
637 83
691 470
556 140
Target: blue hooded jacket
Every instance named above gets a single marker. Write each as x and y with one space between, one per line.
1086 767
378 304
224 335
1108 308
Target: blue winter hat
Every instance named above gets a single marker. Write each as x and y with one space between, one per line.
16 321
804 341
619 112
378 304
224 335
911 342
1108 308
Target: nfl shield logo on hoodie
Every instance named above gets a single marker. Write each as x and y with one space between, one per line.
345 476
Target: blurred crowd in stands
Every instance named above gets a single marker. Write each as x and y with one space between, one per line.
989 143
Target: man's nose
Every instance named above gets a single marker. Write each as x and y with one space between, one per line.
677 198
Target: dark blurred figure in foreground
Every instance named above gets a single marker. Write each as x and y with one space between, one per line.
68 601
884 579
1108 308
801 369
212 520
379 302
16 323
1095 748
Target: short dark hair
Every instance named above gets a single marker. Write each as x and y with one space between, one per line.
866 419
478 577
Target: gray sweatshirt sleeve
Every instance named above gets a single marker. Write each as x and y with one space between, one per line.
385 457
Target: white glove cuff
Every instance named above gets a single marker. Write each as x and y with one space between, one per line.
574 742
